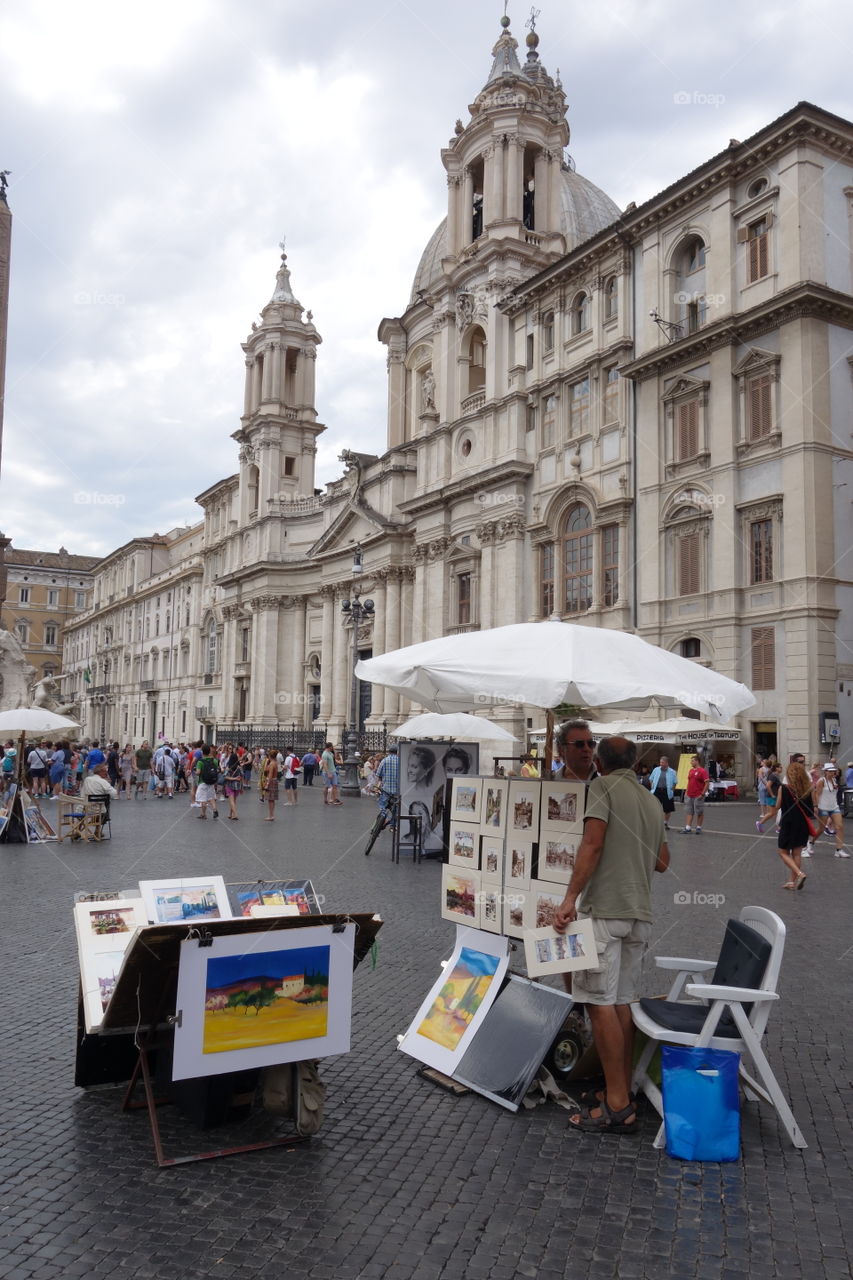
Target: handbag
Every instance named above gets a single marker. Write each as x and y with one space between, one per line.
701 1103
811 826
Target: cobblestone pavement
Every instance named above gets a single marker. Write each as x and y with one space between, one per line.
404 1181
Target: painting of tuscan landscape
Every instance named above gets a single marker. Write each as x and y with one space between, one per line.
266 998
460 998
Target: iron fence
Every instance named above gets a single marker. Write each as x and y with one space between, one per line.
295 736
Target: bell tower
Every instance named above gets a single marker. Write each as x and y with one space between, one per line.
504 168
279 426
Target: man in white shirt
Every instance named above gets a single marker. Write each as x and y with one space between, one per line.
97 785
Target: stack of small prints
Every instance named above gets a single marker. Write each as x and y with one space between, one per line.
512 851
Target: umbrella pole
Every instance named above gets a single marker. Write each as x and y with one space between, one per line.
549 742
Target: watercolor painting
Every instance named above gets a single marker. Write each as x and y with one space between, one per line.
494 806
465 799
548 952
563 805
459 895
265 998
107 921
557 857
523 811
103 968
185 901
461 995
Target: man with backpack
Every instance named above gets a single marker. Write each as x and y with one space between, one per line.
207 772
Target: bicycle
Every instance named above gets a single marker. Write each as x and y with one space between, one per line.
386 817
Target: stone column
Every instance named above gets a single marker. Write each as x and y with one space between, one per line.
513 195
264 708
486 533
247 391
308 360
453 184
380 594
342 664
256 382
296 643
467 209
498 162
276 388
509 569
392 639
540 195
327 653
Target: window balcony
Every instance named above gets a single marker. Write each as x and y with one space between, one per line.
462 627
148 686
473 403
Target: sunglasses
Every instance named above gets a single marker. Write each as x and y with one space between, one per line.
581 742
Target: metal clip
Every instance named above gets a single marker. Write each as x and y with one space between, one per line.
176 1019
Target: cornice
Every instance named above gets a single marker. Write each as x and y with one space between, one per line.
465 486
802 301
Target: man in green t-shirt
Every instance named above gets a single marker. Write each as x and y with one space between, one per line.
142 768
623 844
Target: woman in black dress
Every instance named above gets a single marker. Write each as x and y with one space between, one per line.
795 803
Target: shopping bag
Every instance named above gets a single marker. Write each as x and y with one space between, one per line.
701 1103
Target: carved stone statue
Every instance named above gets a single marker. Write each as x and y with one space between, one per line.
15 672
428 392
47 694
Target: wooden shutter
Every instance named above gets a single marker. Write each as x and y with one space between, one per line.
689 550
763 658
687 430
758 256
760 406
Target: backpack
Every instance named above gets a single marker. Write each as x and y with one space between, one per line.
209 772
8 764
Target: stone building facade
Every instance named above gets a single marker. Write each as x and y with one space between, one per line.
45 589
638 420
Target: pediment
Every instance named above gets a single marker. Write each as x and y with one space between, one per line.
756 358
351 526
685 386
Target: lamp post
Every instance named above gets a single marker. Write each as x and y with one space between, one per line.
356 610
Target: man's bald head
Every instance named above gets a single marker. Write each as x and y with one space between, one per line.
616 753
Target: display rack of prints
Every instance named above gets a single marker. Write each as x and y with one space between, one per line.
288 998
189 901
460 896
464 846
105 930
458 1000
547 952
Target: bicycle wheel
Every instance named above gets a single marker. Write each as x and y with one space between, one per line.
378 825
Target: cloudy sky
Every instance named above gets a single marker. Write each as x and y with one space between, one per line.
158 153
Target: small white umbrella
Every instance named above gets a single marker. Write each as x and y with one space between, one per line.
457 726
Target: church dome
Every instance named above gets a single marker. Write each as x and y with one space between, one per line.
584 211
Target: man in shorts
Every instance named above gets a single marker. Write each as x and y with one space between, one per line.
698 782
143 769
623 844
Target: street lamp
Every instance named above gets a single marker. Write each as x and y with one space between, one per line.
357 610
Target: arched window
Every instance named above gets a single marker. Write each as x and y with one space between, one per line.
577 559
611 299
581 313
691 647
476 360
691 309
212 663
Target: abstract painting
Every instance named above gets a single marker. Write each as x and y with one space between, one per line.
253 1000
458 1001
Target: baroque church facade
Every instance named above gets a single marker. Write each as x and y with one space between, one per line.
636 419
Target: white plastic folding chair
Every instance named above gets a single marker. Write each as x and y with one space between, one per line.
729 1011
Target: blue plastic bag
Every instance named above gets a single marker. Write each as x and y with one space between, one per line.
701 1103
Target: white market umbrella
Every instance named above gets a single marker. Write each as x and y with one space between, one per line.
545 664
34 720
455 726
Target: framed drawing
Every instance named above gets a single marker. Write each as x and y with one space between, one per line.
490 908
465 799
187 901
491 860
273 893
547 951
515 905
104 932
464 846
458 1001
286 998
542 902
493 811
460 894
557 855
563 806
518 863
523 809
425 768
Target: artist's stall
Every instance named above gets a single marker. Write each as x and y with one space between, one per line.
21 818
512 843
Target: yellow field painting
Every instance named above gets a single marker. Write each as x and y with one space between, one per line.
280 1023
